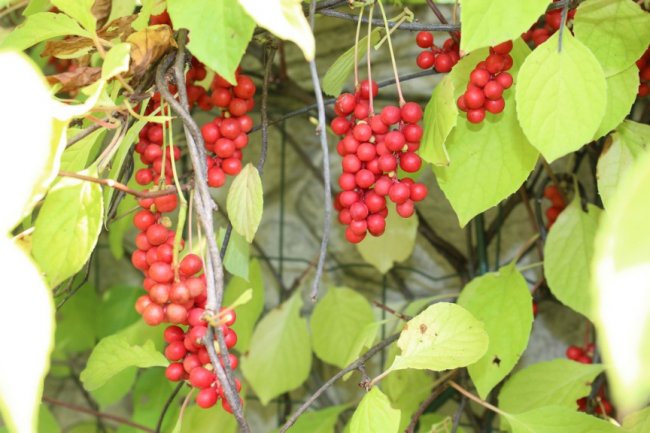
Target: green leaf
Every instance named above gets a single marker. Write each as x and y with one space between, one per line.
502 302
115 389
21 384
375 414
199 420
568 253
436 423
248 313
559 382
395 245
555 419
47 423
637 422
621 93
245 202
616 31
621 288
219 32
75 331
41 27
116 310
77 156
337 322
479 18
617 158
557 108
116 61
116 353
35 6
635 133
442 337
338 73
80 10
285 19
67 227
490 161
319 421
440 118
22 107
279 358
237 254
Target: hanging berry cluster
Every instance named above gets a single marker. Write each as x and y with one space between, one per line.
487 82
644 74
373 147
442 59
227 134
585 355
544 29
552 194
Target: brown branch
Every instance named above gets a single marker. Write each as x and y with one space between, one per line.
120 186
438 388
353 366
107 416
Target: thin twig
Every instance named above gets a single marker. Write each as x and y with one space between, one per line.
167 405
438 388
204 205
120 186
107 416
474 398
403 26
322 133
353 366
458 414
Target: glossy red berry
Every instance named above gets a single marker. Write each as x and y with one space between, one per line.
424 39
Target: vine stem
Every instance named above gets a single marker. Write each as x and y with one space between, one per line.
204 205
107 416
392 55
121 187
167 405
437 390
353 366
368 57
356 50
321 130
475 399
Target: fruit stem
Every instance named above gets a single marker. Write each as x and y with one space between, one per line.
182 211
370 95
356 50
392 55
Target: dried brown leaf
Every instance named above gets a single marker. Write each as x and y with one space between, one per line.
80 77
68 47
118 27
149 45
101 10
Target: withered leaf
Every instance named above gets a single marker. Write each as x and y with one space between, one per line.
69 47
148 45
118 27
101 10
80 77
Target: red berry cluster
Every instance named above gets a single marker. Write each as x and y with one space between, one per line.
552 193
177 295
644 74
544 29
190 359
442 59
227 134
373 147
155 156
487 82
585 355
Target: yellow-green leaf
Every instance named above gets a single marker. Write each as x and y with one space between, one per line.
375 414
245 202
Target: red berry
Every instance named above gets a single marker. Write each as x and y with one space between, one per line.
479 77
206 398
201 377
364 178
358 211
228 316
340 125
245 87
552 213
166 203
395 141
230 338
574 353
366 152
505 79
352 237
157 234
411 112
376 224
424 39
173 333
495 107
153 314
390 115
410 162
216 177
476 116
474 98
503 48
351 164
406 209
345 103
174 372
161 272
493 90
443 63
418 192
365 89
231 166
425 60
176 313
412 132
399 192
144 219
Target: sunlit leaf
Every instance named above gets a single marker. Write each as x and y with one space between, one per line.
375 414
245 202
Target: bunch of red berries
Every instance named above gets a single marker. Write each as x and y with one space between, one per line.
442 59
227 134
552 193
644 74
157 157
190 360
585 355
540 32
373 147
487 82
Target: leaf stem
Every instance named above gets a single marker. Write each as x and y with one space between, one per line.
475 399
356 50
368 57
392 54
